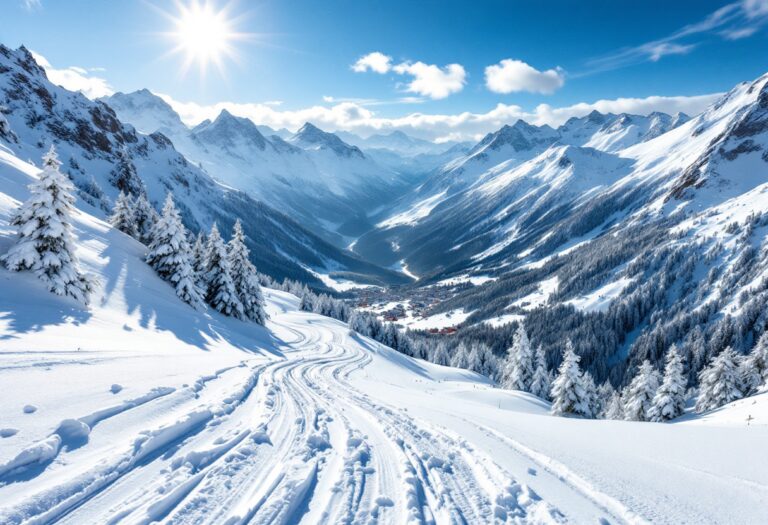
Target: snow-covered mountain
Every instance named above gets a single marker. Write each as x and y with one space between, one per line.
314 176
103 155
140 409
396 142
625 252
482 189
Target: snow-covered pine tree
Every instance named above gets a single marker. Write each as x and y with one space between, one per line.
487 364
44 243
614 409
669 401
145 217
719 382
754 367
198 261
122 217
590 391
640 393
221 293
389 336
604 395
541 382
307 302
169 255
519 366
404 344
568 393
460 357
245 277
124 176
440 355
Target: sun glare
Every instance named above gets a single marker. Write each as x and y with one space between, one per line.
204 34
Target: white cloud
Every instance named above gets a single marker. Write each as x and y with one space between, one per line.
76 78
432 81
657 51
740 19
510 76
351 116
738 34
376 62
428 80
32 5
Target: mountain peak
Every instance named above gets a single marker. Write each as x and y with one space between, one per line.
310 136
228 129
147 111
521 136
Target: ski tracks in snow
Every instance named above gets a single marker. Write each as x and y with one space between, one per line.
286 441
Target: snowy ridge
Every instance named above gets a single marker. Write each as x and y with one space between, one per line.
102 156
313 175
163 413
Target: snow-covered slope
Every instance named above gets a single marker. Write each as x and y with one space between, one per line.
103 155
314 176
397 142
626 162
153 412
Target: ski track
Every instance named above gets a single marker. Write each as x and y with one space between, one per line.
272 442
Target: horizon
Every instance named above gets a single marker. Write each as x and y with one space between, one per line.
282 64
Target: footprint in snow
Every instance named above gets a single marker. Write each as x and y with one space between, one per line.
532 471
115 388
8 432
29 409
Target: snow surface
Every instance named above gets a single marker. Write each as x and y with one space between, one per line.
539 297
599 300
148 411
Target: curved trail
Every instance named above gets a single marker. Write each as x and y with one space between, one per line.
284 441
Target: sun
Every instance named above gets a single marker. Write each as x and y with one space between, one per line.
204 34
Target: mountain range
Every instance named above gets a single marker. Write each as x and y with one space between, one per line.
323 182
103 155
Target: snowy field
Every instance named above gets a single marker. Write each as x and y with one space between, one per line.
139 409
305 423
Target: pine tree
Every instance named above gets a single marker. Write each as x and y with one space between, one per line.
590 391
568 393
198 261
405 344
440 355
460 357
487 364
719 383
519 365
124 176
389 336
307 302
541 382
123 217
669 401
144 218
604 395
640 393
245 277
615 408
221 293
44 243
754 367
169 255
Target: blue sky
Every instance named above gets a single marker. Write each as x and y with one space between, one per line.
297 59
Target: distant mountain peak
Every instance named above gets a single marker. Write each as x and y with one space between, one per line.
153 113
228 129
310 136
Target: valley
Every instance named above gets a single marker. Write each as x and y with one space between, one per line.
224 307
